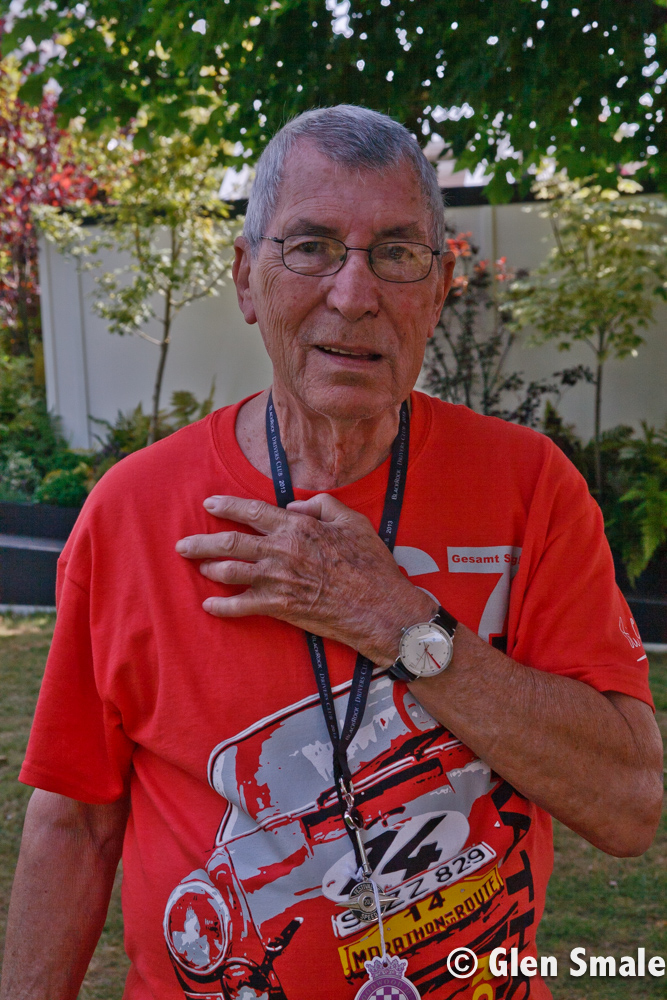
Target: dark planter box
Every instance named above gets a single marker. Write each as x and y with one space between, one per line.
37 520
33 534
27 577
648 597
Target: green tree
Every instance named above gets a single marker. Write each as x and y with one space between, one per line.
164 213
599 282
585 83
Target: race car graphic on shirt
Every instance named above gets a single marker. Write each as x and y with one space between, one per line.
282 859
282 862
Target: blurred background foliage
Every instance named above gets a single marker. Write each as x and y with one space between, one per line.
495 72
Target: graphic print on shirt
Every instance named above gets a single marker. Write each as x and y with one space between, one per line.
282 862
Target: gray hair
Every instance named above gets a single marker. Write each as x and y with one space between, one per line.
353 136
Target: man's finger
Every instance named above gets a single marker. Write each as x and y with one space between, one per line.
221 545
322 506
261 516
243 604
230 571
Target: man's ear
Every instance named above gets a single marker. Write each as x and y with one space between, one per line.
448 260
241 276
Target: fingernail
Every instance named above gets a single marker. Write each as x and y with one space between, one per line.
207 605
183 546
211 502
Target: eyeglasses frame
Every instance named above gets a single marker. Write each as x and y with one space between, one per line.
368 250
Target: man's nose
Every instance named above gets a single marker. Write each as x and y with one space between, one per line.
354 289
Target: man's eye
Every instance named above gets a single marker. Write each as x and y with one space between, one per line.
311 247
395 253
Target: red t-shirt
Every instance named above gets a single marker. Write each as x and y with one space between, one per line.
235 855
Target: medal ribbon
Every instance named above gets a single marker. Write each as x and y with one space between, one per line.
363 670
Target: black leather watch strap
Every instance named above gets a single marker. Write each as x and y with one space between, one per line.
448 622
399 673
445 620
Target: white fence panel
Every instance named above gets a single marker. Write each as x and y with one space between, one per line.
91 372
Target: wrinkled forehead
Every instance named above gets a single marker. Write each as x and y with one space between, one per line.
320 194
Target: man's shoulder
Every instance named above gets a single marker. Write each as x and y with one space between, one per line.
161 465
156 481
487 453
467 428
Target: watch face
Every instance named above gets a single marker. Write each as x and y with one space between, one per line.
425 649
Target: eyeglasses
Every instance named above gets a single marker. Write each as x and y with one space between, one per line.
320 256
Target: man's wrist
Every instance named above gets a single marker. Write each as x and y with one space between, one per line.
421 607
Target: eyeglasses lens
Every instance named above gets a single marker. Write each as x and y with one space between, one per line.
401 261
314 255
320 256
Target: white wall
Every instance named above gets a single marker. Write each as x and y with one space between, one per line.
91 372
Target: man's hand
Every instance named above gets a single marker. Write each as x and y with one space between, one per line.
318 565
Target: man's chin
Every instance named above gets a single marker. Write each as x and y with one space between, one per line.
350 402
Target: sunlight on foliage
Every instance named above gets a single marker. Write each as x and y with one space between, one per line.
600 282
164 214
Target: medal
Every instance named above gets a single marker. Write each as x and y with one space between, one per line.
362 901
387 980
365 896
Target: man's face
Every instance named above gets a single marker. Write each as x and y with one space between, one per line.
305 320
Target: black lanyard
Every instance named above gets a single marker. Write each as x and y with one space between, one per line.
363 670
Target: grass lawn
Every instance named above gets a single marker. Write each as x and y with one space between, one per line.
608 905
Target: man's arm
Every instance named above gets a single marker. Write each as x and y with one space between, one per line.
593 761
68 859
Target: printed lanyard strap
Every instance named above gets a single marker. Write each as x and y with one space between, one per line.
363 670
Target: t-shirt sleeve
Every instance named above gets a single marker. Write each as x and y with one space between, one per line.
77 746
567 614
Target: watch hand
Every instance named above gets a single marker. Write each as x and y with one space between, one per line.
433 658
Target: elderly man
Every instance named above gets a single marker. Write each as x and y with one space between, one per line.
337 651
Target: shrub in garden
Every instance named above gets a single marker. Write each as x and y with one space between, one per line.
636 512
36 465
634 486
31 443
65 487
38 168
465 359
131 431
18 477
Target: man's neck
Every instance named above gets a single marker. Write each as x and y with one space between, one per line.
322 452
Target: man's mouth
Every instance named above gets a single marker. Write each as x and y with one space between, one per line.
354 354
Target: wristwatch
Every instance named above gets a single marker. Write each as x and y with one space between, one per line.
426 648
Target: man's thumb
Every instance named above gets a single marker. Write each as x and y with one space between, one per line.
322 506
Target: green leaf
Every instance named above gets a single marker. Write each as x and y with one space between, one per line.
499 191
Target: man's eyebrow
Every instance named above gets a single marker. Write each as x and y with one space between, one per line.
410 231
307 227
